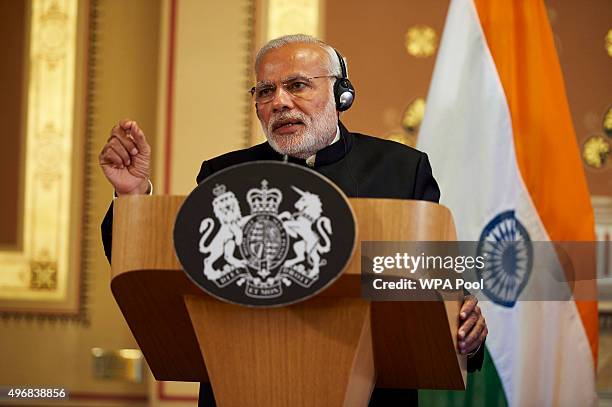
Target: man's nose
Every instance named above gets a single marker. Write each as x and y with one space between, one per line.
282 99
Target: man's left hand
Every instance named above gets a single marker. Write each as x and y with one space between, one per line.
473 329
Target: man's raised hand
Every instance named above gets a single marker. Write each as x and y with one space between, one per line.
125 159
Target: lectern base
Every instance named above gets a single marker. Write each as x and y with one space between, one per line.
316 353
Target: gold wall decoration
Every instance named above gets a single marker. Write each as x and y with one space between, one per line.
410 121
595 151
421 41
39 271
609 42
43 275
413 115
293 17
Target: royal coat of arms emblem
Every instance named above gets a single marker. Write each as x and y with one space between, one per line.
262 240
280 249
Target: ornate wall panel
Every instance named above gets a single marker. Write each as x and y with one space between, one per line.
293 16
39 275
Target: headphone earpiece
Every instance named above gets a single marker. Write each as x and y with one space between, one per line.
344 92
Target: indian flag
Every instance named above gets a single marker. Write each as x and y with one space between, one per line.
500 138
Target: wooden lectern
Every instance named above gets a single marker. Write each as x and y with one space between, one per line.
327 351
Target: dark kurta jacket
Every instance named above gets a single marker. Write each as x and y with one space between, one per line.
362 166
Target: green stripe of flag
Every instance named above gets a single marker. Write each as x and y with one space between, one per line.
484 388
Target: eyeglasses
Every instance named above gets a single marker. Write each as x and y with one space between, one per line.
297 86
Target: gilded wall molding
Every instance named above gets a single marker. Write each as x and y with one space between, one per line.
293 17
39 276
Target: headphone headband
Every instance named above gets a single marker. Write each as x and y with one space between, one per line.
342 65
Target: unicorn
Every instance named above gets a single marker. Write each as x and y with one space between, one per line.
299 225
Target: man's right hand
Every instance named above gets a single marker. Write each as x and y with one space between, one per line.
126 159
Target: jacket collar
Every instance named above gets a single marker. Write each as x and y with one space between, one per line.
328 155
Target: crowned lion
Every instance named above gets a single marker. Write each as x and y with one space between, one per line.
227 210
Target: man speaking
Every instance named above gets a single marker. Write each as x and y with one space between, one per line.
302 86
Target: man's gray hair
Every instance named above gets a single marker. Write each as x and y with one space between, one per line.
333 68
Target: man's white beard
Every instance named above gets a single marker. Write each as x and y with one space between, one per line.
319 131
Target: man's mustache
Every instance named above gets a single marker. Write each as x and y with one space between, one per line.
282 118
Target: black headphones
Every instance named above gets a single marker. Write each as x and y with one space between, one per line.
344 92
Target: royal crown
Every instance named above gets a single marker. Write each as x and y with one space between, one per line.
222 195
219 189
264 200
